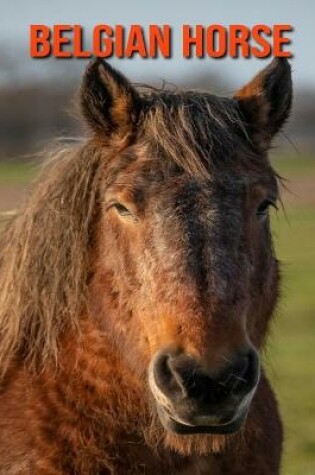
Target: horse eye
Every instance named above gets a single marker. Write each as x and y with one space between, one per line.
122 210
262 209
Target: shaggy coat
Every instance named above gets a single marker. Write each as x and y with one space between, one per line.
152 233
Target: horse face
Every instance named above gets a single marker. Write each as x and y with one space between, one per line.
192 265
186 250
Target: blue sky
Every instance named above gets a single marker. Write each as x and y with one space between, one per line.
17 15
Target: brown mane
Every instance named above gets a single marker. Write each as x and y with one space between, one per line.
171 125
44 256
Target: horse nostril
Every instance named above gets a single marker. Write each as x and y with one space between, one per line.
161 372
243 373
183 369
178 376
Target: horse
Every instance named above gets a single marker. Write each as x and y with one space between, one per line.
137 286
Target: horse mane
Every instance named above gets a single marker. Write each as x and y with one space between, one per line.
44 250
195 130
44 256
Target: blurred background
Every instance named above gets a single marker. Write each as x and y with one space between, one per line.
36 106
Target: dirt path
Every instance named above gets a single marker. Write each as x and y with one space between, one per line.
11 196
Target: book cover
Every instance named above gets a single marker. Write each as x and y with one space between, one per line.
157 192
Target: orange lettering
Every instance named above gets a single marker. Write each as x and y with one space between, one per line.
160 40
136 42
98 41
258 31
59 41
77 43
239 36
40 46
216 49
279 41
189 41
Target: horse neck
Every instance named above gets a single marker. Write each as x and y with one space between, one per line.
106 394
96 374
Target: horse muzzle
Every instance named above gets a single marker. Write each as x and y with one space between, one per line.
192 400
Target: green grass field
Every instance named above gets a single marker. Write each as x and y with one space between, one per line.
291 354
16 173
290 357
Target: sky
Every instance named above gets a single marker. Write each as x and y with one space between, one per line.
17 15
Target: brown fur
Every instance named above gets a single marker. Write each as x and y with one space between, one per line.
87 296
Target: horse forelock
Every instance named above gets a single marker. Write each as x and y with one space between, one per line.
195 131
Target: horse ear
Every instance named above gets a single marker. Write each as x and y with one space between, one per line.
109 102
265 102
